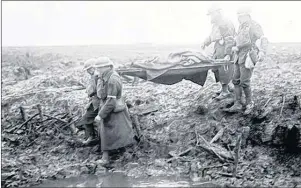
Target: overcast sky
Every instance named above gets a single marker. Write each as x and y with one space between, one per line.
92 22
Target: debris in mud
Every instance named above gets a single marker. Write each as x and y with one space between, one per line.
182 129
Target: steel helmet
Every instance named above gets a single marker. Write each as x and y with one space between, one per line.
244 11
213 8
89 63
103 62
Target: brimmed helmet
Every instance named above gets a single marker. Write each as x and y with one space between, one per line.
103 62
89 63
244 11
213 8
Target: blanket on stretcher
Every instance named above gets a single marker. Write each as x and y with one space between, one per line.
156 68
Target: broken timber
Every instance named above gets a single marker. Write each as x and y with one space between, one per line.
220 152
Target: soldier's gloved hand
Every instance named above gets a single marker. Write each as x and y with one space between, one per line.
98 119
235 49
261 56
227 58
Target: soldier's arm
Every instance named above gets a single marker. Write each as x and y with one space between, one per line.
256 31
110 102
91 88
211 38
214 37
264 44
259 37
227 30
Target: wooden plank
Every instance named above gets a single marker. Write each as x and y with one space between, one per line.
237 155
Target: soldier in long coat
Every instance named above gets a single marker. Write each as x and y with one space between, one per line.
116 126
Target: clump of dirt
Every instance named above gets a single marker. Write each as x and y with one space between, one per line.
183 130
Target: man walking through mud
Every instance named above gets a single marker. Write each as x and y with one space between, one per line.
251 46
222 34
93 105
113 116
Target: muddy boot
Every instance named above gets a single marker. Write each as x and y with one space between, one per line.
237 107
224 94
237 104
105 159
90 134
249 108
249 102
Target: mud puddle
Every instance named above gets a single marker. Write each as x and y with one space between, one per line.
118 179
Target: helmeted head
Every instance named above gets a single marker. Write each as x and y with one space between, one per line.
215 12
102 64
244 14
89 65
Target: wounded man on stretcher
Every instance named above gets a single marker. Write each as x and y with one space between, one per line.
186 65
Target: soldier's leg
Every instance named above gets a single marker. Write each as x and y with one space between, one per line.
216 77
230 76
90 130
245 83
224 92
237 89
104 159
89 126
225 77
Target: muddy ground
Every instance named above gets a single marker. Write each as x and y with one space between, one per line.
182 118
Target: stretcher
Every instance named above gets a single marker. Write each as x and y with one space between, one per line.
196 73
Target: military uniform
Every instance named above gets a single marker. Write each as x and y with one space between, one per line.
117 130
248 33
92 107
223 35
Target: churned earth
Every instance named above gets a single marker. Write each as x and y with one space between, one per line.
184 131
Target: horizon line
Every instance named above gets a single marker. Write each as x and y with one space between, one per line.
122 44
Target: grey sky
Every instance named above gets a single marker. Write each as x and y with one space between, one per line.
92 22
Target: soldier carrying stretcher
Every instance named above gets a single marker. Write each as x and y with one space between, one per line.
251 47
222 34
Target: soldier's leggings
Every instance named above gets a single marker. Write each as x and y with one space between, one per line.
90 115
88 120
242 75
224 74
